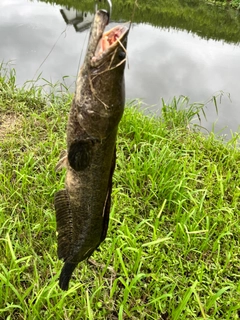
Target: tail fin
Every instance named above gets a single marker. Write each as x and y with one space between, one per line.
66 274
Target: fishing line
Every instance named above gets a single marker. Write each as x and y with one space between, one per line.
130 25
134 10
80 58
51 50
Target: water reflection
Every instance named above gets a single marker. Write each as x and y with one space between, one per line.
163 62
195 16
79 19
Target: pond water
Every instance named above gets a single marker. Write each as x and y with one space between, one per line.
163 61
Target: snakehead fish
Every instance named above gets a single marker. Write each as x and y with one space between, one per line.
82 208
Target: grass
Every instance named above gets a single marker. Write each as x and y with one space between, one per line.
173 240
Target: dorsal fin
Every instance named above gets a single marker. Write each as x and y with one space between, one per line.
107 206
64 224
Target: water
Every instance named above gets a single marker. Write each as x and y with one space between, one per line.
163 61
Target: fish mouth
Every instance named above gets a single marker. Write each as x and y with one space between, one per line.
109 41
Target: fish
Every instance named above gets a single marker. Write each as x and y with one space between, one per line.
82 208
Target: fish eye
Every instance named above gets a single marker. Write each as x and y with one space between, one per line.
122 55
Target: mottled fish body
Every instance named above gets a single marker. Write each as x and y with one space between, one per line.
82 208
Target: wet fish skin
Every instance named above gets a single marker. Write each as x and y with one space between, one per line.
82 208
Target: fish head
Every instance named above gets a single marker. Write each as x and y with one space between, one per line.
104 92
111 50
109 46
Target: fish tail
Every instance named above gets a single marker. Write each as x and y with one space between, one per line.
66 274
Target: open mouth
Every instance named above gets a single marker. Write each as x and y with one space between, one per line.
109 41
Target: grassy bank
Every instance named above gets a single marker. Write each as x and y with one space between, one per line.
172 250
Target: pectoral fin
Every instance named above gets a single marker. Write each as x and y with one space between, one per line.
64 224
62 163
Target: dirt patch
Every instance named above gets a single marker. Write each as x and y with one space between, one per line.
8 123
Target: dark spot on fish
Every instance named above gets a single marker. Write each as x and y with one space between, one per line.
122 55
79 155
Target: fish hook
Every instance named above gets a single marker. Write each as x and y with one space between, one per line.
110 8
